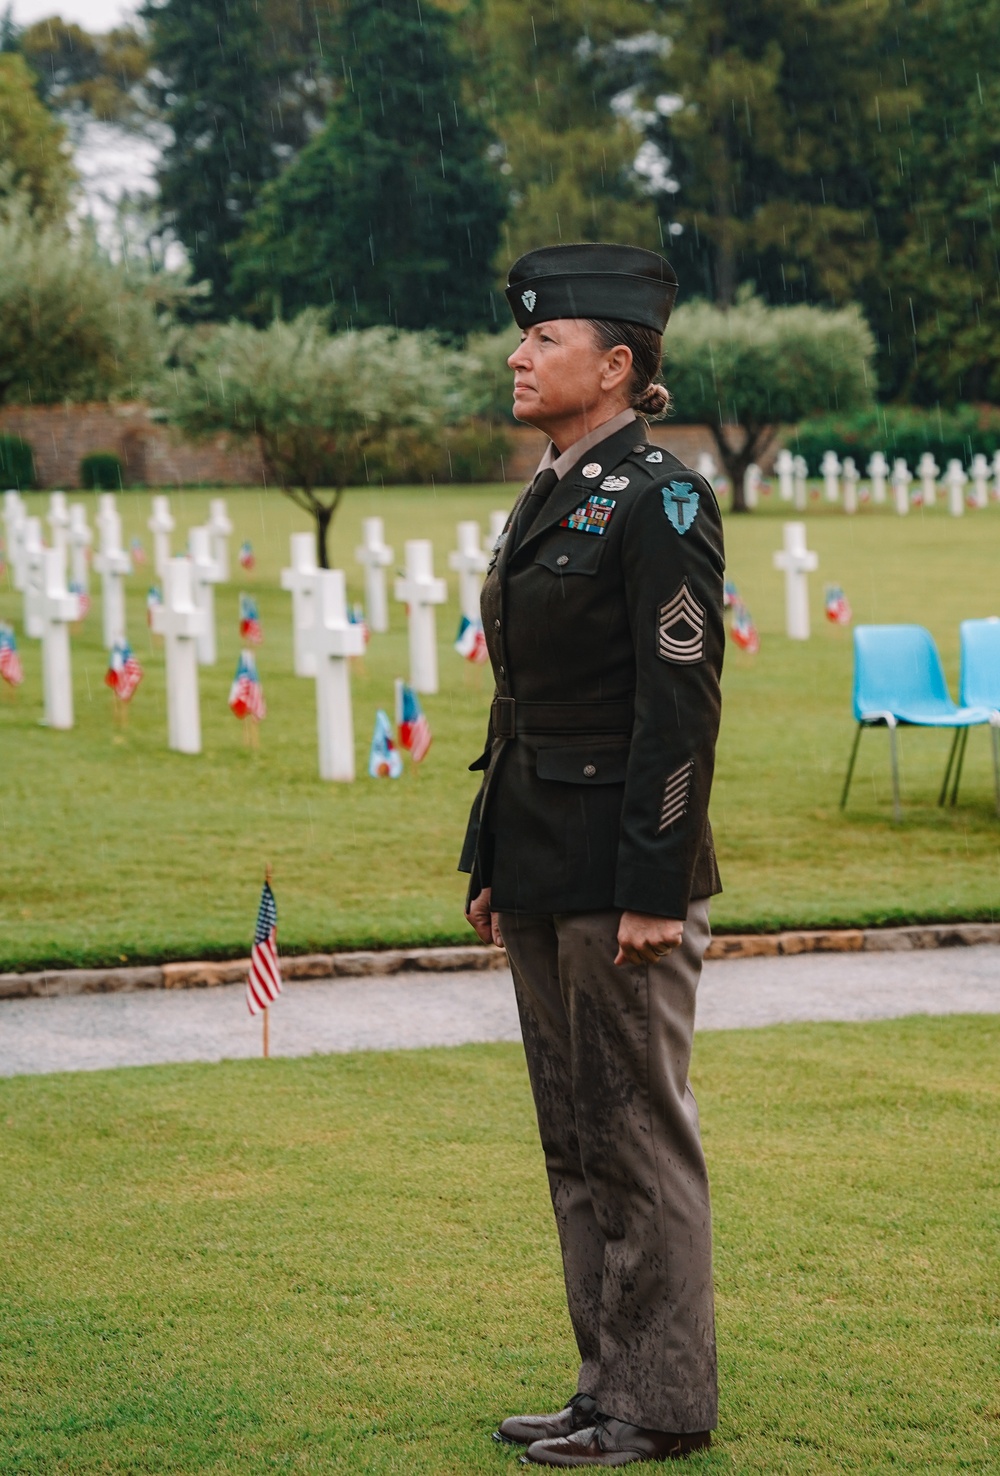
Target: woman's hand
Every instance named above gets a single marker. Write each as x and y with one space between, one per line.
645 938
485 922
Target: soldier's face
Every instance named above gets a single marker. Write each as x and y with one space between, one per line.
560 374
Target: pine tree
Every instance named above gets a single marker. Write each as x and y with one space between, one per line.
217 91
391 215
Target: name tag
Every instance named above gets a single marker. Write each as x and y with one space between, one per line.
593 517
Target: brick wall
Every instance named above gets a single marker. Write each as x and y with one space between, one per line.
686 442
153 455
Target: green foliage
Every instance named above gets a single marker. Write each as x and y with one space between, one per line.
328 409
900 430
391 214
758 368
219 88
76 70
71 325
17 463
101 471
33 159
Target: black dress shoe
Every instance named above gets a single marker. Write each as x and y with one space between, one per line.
526 1429
610 1442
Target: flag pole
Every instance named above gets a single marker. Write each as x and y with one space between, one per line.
267 1008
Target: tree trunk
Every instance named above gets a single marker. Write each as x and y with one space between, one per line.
756 440
324 517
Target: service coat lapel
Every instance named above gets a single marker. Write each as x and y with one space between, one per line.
575 488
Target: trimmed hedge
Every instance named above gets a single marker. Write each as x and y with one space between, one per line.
101 471
899 431
17 464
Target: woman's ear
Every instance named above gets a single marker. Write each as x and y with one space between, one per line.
617 367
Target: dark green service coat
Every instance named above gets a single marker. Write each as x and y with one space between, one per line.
602 611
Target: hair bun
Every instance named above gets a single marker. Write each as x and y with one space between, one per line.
654 401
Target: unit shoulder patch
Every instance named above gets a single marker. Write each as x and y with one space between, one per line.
593 516
675 796
680 629
680 503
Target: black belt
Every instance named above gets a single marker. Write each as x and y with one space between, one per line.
510 717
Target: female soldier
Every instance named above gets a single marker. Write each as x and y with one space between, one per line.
589 844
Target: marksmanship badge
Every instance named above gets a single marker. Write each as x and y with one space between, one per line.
529 299
593 517
680 503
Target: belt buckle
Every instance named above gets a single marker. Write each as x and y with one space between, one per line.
503 717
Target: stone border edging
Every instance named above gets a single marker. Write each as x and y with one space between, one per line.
50 983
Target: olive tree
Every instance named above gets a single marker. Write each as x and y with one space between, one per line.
73 325
321 404
747 370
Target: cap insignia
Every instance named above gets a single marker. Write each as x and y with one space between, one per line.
529 298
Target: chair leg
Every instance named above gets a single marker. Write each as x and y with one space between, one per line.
948 767
897 813
850 766
995 735
958 767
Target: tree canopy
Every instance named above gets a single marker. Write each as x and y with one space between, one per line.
34 162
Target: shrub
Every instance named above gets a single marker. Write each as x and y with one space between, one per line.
101 471
17 464
899 430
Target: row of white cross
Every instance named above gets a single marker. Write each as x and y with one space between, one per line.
842 479
325 639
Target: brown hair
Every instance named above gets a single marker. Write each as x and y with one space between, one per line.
647 396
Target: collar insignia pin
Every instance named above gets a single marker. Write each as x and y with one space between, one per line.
529 299
592 469
655 457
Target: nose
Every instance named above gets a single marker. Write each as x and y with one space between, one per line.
519 359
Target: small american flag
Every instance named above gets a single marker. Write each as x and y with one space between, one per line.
10 661
250 628
124 672
246 695
264 979
247 559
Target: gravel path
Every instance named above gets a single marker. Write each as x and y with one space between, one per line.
87 1032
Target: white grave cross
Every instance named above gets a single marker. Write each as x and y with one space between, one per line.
34 577
58 610
752 479
470 563
13 517
955 480
161 525
79 541
800 469
421 592
180 622
830 470
796 561
300 579
112 563
333 640
901 479
928 471
878 471
980 480
785 467
205 575
58 519
376 556
220 527
851 477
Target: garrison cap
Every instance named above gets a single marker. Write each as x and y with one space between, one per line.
625 283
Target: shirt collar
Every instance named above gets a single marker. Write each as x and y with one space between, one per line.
564 462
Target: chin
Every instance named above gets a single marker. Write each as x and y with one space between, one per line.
524 413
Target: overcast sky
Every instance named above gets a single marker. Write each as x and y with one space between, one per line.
93 15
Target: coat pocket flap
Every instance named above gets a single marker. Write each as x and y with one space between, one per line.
593 763
572 553
482 762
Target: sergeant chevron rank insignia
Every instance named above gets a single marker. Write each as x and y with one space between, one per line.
680 503
680 629
675 796
593 517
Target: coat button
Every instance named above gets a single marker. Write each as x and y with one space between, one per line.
496 625
562 559
590 770
640 447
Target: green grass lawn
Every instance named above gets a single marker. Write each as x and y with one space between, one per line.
115 849
348 1262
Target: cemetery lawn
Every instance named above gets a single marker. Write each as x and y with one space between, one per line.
116 850
347 1262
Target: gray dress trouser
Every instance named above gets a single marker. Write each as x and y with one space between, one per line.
608 1051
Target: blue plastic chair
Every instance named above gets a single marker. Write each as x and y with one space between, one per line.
979 687
898 680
